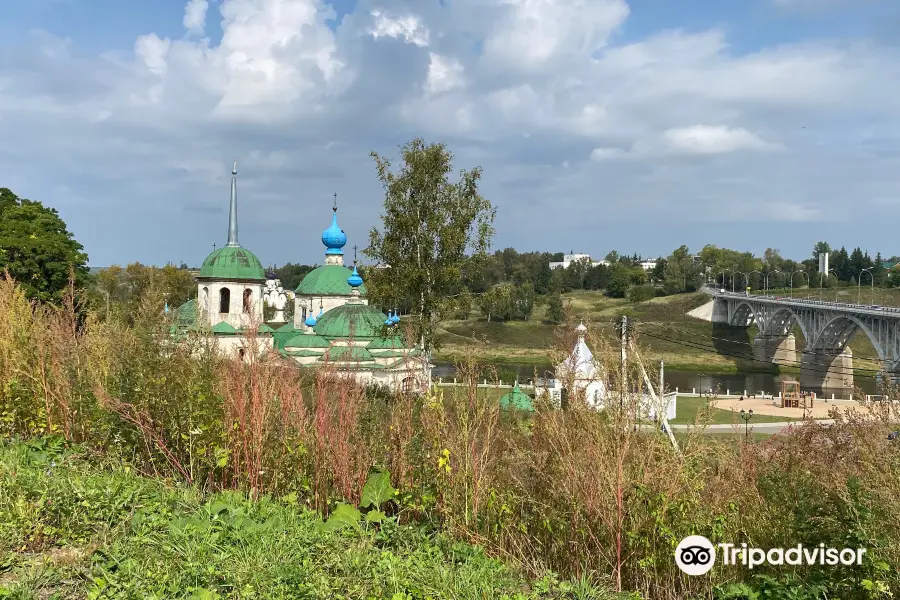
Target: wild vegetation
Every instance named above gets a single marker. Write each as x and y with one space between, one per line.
574 492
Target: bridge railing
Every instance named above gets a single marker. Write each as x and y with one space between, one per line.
867 308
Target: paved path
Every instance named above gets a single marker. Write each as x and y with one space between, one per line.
758 428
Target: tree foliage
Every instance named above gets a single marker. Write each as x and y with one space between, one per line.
429 225
37 249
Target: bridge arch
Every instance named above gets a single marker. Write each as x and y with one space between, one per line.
782 320
742 315
835 334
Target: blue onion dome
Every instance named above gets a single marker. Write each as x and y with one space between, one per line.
390 320
310 320
334 237
354 280
396 318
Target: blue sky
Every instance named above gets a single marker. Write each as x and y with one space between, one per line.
600 124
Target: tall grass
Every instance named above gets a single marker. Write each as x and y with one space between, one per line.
583 493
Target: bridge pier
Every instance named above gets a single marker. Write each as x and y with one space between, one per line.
776 349
822 369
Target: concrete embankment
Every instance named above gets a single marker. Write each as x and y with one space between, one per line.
704 313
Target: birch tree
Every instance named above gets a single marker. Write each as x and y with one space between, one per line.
429 227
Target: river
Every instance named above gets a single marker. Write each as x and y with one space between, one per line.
737 383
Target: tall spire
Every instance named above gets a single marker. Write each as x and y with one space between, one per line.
232 212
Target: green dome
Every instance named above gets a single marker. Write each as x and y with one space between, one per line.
306 340
356 319
346 354
328 280
517 399
233 262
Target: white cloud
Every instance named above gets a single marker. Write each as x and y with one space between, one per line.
407 28
710 139
602 154
195 16
538 92
533 33
444 74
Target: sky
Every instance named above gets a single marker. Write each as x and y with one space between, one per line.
599 124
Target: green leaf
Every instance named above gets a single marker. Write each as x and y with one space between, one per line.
375 516
344 516
377 490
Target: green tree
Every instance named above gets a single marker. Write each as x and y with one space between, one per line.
619 281
37 249
555 312
495 303
463 304
523 301
429 224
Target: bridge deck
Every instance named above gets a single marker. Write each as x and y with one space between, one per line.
865 309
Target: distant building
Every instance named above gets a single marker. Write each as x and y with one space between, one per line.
648 265
568 259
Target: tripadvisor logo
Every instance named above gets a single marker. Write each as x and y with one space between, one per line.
696 555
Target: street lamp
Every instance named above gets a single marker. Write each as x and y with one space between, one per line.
792 280
836 281
755 271
723 278
767 279
746 416
859 281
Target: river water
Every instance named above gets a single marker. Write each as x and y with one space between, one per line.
686 381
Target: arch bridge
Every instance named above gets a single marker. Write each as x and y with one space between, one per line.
827 327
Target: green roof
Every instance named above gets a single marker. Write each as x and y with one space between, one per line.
284 333
306 340
517 399
186 314
328 280
347 354
232 262
392 343
351 320
223 328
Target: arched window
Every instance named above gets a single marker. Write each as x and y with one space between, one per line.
408 385
247 295
224 300
241 353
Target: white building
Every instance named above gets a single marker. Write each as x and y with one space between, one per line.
649 265
587 378
568 259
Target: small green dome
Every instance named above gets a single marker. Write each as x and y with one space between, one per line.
328 280
517 399
232 262
352 319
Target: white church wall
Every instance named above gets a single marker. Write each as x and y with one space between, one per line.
208 294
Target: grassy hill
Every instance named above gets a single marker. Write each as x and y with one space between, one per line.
662 326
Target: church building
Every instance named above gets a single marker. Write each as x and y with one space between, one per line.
333 325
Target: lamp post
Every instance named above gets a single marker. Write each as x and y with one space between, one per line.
746 416
767 279
755 271
723 278
836 281
745 277
792 280
859 287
